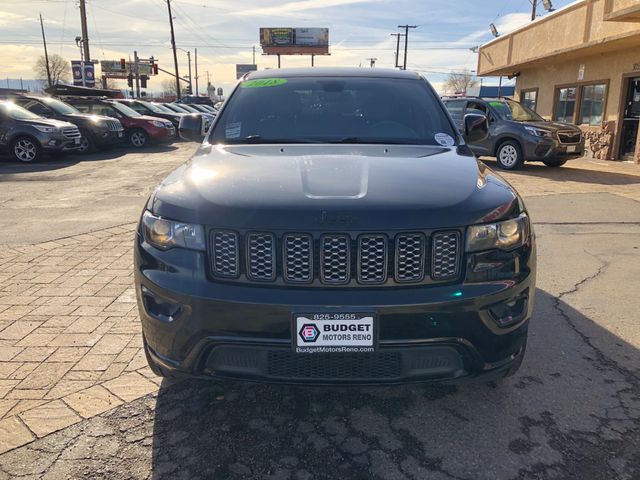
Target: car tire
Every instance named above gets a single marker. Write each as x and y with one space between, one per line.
509 155
26 150
138 138
554 163
87 145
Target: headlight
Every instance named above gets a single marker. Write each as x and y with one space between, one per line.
503 235
167 234
158 123
44 129
538 132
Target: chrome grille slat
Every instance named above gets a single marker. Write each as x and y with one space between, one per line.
446 255
71 132
225 256
261 256
297 258
114 125
410 254
372 258
335 257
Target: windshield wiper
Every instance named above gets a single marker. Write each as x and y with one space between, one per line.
259 139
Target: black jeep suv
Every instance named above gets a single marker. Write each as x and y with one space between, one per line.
517 133
98 132
27 136
334 227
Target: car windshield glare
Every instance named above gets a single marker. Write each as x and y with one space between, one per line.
510 110
152 106
128 111
334 110
17 112
60 107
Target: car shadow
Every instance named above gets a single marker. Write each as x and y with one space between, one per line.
571 172
10 166
563 415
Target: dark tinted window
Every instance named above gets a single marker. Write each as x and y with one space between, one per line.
455 107
334 109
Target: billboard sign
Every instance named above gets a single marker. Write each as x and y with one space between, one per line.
244 68
295 41
113 68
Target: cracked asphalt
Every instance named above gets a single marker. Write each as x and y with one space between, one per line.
572 412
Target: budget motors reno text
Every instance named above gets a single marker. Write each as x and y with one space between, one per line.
334 332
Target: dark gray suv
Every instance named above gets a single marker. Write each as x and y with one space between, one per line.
517 133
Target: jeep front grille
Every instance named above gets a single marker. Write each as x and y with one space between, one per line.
337 259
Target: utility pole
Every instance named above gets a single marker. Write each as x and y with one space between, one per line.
175 54
406 41
398 35
254 54
534 5
197 93
372 62
136 72
46 55
85 32
189 58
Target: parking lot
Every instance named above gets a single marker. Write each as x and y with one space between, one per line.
78 401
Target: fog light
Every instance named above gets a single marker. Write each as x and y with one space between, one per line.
510 312
159 308
52 142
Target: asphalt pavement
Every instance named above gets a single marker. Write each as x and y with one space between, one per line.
572 412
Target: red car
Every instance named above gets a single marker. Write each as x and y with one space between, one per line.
140 130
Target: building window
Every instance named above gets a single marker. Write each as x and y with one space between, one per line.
529 98
565 104
592 104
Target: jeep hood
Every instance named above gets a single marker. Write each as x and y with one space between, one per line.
333 187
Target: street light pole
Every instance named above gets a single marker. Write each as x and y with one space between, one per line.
190 87
197 93
406 41
534 5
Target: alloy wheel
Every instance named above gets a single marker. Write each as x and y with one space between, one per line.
508 155
84 144
25 150
138 139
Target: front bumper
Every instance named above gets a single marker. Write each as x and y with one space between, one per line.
196 327
548 148
107 138
58 143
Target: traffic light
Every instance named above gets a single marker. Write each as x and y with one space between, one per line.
189 89
130 80
123 64
143 81
155 69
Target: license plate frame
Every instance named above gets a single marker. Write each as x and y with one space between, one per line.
572 148
76 141
335 332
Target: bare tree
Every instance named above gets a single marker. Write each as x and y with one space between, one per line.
460 82
60 68
168 87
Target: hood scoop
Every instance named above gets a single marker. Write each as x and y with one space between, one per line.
336 177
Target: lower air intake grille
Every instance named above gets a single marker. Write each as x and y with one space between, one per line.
381 365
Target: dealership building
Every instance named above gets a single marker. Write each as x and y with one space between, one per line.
580 64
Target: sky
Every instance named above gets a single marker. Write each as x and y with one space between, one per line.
224 32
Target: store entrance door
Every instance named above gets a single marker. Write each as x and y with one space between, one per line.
631 120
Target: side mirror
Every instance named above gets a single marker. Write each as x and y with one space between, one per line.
476 128
191 128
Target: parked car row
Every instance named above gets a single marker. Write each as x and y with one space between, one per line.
32 125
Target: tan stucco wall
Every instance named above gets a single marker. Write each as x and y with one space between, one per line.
580 26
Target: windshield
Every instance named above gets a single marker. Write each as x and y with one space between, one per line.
189 108
161 108
510 110
334 110
153 107
16 112
60 107
176 108
123 109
